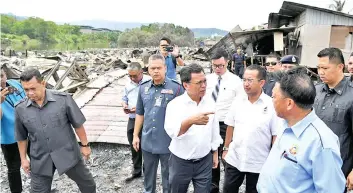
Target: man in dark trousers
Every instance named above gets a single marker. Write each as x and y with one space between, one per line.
11 93
131 89
152 101
194 129
334 104
46 119
238 63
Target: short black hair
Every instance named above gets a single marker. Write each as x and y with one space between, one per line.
29 73
219 53
334 54
166 39
261 71
274 55
297 85
185 72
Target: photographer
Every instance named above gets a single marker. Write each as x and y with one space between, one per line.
11 93
171 55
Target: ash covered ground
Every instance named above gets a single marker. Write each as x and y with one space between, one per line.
110 165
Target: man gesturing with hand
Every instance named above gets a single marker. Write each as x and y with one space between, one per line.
191 124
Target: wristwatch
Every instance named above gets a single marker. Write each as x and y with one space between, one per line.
225 148
87 145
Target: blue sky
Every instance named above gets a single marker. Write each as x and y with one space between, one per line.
223 14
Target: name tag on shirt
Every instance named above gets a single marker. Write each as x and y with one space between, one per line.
167 91
146 90
158 102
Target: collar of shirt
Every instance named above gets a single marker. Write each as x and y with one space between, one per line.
164 83
188 100
259 101
339 89
300 126
48 98
144 78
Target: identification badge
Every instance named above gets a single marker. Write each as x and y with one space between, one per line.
167 91
158 102
265 110
146 90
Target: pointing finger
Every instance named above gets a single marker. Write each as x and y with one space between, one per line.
208 113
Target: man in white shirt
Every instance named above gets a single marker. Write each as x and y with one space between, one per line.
222 86
131 90
251 131
191 124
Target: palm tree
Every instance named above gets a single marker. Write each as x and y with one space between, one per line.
338 5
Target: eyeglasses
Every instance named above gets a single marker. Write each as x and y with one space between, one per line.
221 66
270 63
250 81
200 83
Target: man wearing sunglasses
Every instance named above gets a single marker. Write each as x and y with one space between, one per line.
171 55
306 154
273 66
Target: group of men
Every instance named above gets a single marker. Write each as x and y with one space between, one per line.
298 138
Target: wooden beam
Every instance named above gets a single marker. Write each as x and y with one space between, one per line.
73 86
61 80
52 71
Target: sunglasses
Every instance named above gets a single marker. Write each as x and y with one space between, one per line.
270 63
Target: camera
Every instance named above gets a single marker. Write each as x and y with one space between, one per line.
11 89
169 48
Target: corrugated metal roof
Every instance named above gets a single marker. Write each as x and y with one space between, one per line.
294 9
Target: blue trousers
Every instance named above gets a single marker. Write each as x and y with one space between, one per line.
150 171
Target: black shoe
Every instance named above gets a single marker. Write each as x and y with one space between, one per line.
132 177
214 188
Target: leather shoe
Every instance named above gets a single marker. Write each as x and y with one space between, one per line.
214 188
132 177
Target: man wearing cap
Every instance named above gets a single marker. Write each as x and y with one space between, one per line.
289 61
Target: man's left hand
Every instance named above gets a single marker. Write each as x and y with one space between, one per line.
86 152
215 160
175 52
350 181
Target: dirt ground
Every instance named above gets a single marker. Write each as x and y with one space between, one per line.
110 165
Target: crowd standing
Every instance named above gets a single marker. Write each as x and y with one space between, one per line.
270 125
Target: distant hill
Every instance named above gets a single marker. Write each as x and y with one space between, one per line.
122 26
113 25
16 16
208 32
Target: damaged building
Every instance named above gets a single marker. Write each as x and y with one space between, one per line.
297 29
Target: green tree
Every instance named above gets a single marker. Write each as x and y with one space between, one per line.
338 5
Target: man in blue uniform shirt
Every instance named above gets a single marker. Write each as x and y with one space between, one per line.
152 100
11 93
306 156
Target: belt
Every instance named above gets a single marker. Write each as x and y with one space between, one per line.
198 159
132 118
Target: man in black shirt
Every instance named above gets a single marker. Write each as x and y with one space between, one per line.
334 104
